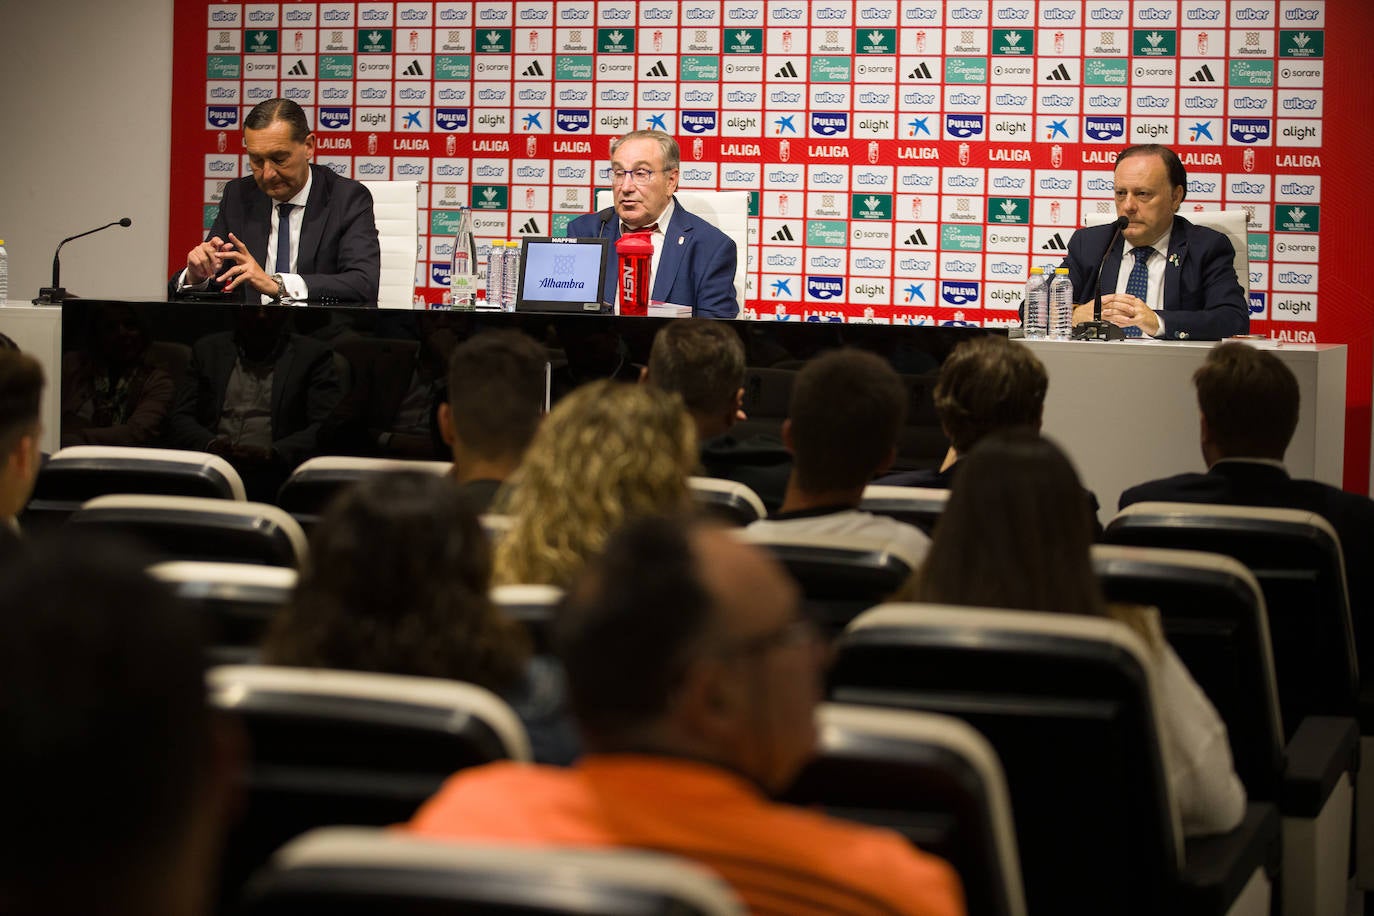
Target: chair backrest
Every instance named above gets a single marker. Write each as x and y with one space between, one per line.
396 205
236 601
1214 616
344 747
933 779
532 605
1230 223
1069 704
312 485
840 576
351 871
728 211
81 472
1296 558
919 506
729 500
190 528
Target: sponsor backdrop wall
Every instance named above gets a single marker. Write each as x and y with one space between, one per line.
907 160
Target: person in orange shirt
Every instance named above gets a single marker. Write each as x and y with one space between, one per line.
694 677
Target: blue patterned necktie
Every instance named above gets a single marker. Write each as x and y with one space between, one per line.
1138 283
283 263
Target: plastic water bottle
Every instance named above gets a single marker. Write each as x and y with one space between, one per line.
4 273
496 274
511 286
1036 323
464 262
1061 305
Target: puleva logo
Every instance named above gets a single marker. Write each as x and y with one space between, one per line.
221 117
829 123
962 292
336 118
450 118
825 287
573 120
698 122
964 126
1250 130
1104 129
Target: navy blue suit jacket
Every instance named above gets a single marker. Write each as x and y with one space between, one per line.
1203 300
339 257
696 267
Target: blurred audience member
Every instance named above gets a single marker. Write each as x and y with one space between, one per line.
1008 539
398 583
695 676
118 778
21 391
703 361
607 453
112 394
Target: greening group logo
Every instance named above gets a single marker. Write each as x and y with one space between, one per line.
223 67
453 67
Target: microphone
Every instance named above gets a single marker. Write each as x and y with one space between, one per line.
605 218
1097 329
55 294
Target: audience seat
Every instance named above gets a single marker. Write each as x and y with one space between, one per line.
345 747
933 779
236 601
79 473
495 524
532 605
840 576
728 500
919 506
1069 705
352 871
1214 616
312 485
189 528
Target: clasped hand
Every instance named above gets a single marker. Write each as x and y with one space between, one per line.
209 259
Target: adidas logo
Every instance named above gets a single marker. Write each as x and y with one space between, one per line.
920 73
298 69
1203 76
1056 243
1060 73
533 70
916 238
530 227
657 70
788 72
413 69
783 235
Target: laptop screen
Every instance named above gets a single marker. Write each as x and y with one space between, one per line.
561 275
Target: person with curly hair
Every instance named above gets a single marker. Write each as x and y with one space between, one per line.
398 583
607 453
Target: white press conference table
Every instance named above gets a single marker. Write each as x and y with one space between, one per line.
1126 411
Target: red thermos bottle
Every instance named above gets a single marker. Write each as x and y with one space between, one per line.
636 252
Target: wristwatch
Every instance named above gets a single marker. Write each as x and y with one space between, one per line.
281 286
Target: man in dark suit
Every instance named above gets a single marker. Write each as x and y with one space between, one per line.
291 230
21 429
1249 409
1185 286
694 262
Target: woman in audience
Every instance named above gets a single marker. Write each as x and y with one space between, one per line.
398 583
608 452
1014 535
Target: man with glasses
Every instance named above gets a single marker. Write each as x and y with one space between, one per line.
694 677
693 262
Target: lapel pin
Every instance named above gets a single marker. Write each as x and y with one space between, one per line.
681 239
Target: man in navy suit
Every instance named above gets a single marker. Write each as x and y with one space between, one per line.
322 246
1249 410
1190 286
694 262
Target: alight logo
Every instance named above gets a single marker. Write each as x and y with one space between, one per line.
1154 43
1251 130
615 41
966 69
493 41
1013 42
1009 210
876 41
871 206
959 292
825 288
374 41
1304 43
964 126
1300 218
1295 308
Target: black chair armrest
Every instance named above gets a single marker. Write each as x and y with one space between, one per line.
1217 868
1321 750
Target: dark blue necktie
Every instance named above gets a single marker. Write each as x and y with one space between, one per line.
284 239
1138 283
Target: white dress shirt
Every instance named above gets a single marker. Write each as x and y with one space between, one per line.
1155 268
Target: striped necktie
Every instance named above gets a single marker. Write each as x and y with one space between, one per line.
1138 283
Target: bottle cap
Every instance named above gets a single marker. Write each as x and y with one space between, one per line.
1037 270
1061 270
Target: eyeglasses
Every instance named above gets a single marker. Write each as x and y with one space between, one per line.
640 176
801 631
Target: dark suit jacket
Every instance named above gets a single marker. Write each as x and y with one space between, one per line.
305 390
1250 483
1203 300
696 267
339 257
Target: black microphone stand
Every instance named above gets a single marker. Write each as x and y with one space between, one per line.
1097 329
55 294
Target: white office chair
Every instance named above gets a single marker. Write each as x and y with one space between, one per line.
1230 223
395 204
728 211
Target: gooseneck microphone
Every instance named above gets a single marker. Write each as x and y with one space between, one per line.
605 216
55 294
1097 329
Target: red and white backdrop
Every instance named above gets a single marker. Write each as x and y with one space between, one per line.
908 160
